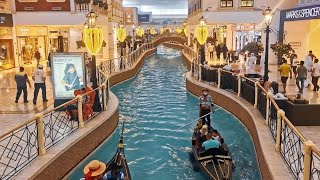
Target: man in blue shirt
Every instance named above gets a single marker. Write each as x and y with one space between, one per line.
22 79
210 143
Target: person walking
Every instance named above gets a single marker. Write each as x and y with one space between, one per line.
39 78
301 76
308 64
37 55
205 107
285 70
218 51
22 79
211 49
315 74
224 51
293 63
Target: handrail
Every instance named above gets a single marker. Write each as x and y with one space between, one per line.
18 127
281 127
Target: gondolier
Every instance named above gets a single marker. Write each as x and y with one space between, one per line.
205 106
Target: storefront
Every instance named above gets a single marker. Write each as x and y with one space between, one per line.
244 34
30 39
59 39
6 42
300 27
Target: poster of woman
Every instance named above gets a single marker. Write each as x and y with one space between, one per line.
68 70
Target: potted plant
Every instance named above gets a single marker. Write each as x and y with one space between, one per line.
281 50
254 47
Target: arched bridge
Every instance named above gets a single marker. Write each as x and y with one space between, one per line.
169 37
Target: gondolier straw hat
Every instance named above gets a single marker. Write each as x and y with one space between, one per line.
205 89
94 168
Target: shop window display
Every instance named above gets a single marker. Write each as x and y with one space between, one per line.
247 3
29 46
6 49
226 3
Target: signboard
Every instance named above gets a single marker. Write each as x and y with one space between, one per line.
144 17
31 31
6 20
302 13
68 74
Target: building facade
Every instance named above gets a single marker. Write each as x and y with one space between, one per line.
300 28
53 26
237 22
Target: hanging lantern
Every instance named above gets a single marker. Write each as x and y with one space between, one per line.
93 39
152 31
186 31
140 31
178 30
121 34
161 31
202 32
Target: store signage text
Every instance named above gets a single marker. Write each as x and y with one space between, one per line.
311 12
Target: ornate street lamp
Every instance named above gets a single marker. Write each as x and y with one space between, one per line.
92 19
267 13
93 40
202 35
121 36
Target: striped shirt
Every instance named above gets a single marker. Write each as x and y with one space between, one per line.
205 100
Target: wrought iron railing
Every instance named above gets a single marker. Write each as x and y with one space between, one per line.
18 148
300 156
315 164
23 144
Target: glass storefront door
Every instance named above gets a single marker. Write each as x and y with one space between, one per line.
28 47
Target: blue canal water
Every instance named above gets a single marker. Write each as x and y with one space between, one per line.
156 103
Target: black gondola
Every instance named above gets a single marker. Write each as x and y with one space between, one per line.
214 163
119 159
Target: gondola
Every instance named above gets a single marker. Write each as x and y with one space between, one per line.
120 159
214 164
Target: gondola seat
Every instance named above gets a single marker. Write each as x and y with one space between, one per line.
212 152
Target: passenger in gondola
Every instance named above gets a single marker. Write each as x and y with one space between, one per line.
114 173
205 106
94 170
202 135
216 135
210 143
211 146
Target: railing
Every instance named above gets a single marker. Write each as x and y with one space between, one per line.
300 155
33 138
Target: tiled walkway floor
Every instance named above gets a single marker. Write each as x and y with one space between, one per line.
11 113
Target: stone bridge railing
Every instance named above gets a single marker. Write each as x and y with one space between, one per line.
169 37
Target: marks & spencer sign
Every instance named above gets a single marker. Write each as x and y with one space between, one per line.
6 20
302 13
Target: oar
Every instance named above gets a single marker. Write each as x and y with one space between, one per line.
193 121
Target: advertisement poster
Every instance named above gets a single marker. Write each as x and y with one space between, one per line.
68 73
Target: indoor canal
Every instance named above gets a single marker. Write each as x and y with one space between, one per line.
156 103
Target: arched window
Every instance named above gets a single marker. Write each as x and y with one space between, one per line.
226 3
247 3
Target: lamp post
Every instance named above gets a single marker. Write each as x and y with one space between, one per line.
93 40
121 36
267 13
133 29
202 35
